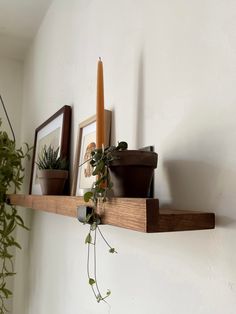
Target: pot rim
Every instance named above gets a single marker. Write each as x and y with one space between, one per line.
135 158
53 173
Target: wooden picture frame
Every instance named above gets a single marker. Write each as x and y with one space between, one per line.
54 131
86 141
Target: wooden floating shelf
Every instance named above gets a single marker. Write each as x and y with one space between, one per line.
140 214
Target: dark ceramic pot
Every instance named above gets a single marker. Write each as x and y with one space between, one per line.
131 172
52 182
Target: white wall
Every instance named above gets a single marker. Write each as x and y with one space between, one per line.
169 70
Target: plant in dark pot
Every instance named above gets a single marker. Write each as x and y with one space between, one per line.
52 171
131 172
122 172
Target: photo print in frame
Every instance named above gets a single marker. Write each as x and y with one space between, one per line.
55 131
86 142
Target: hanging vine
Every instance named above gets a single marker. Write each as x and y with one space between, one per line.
100 161
11 176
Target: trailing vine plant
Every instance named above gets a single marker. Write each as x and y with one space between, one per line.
11 170
97 196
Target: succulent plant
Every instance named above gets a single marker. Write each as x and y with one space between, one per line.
49 159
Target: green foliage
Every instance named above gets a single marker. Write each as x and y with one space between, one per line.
91 281
49 159
88 239
100 161
112 250
10 176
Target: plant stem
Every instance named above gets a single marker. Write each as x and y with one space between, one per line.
95 263
88 262
104 238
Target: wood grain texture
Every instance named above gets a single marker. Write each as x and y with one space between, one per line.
138 214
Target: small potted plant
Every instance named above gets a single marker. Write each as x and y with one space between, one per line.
52 171
131 172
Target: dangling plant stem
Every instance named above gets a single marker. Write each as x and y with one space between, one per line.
100 161
112 249
93 279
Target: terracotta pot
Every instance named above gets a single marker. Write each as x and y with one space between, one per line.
52 182
131 172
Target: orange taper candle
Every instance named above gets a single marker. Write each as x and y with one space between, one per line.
100 129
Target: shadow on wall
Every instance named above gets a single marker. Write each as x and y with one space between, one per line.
140 104
198 186
113 140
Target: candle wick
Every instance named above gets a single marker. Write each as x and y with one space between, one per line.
100 59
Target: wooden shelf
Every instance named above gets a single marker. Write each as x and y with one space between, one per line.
138 214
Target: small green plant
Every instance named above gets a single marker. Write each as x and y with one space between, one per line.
49 159
11 170
100 161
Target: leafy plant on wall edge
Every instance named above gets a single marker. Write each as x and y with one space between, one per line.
11 170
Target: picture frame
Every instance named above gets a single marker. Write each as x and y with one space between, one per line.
86 141
55 131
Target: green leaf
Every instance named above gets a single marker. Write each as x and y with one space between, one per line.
10 274
23 226
112 250
91 281
97 156
17 245
88 239
122 146
6 292
19 219
6 255
2 275
99 167
11 226
88 196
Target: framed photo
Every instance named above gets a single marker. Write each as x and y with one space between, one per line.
86 142
55 131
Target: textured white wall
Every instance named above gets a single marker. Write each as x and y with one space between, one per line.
169 70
